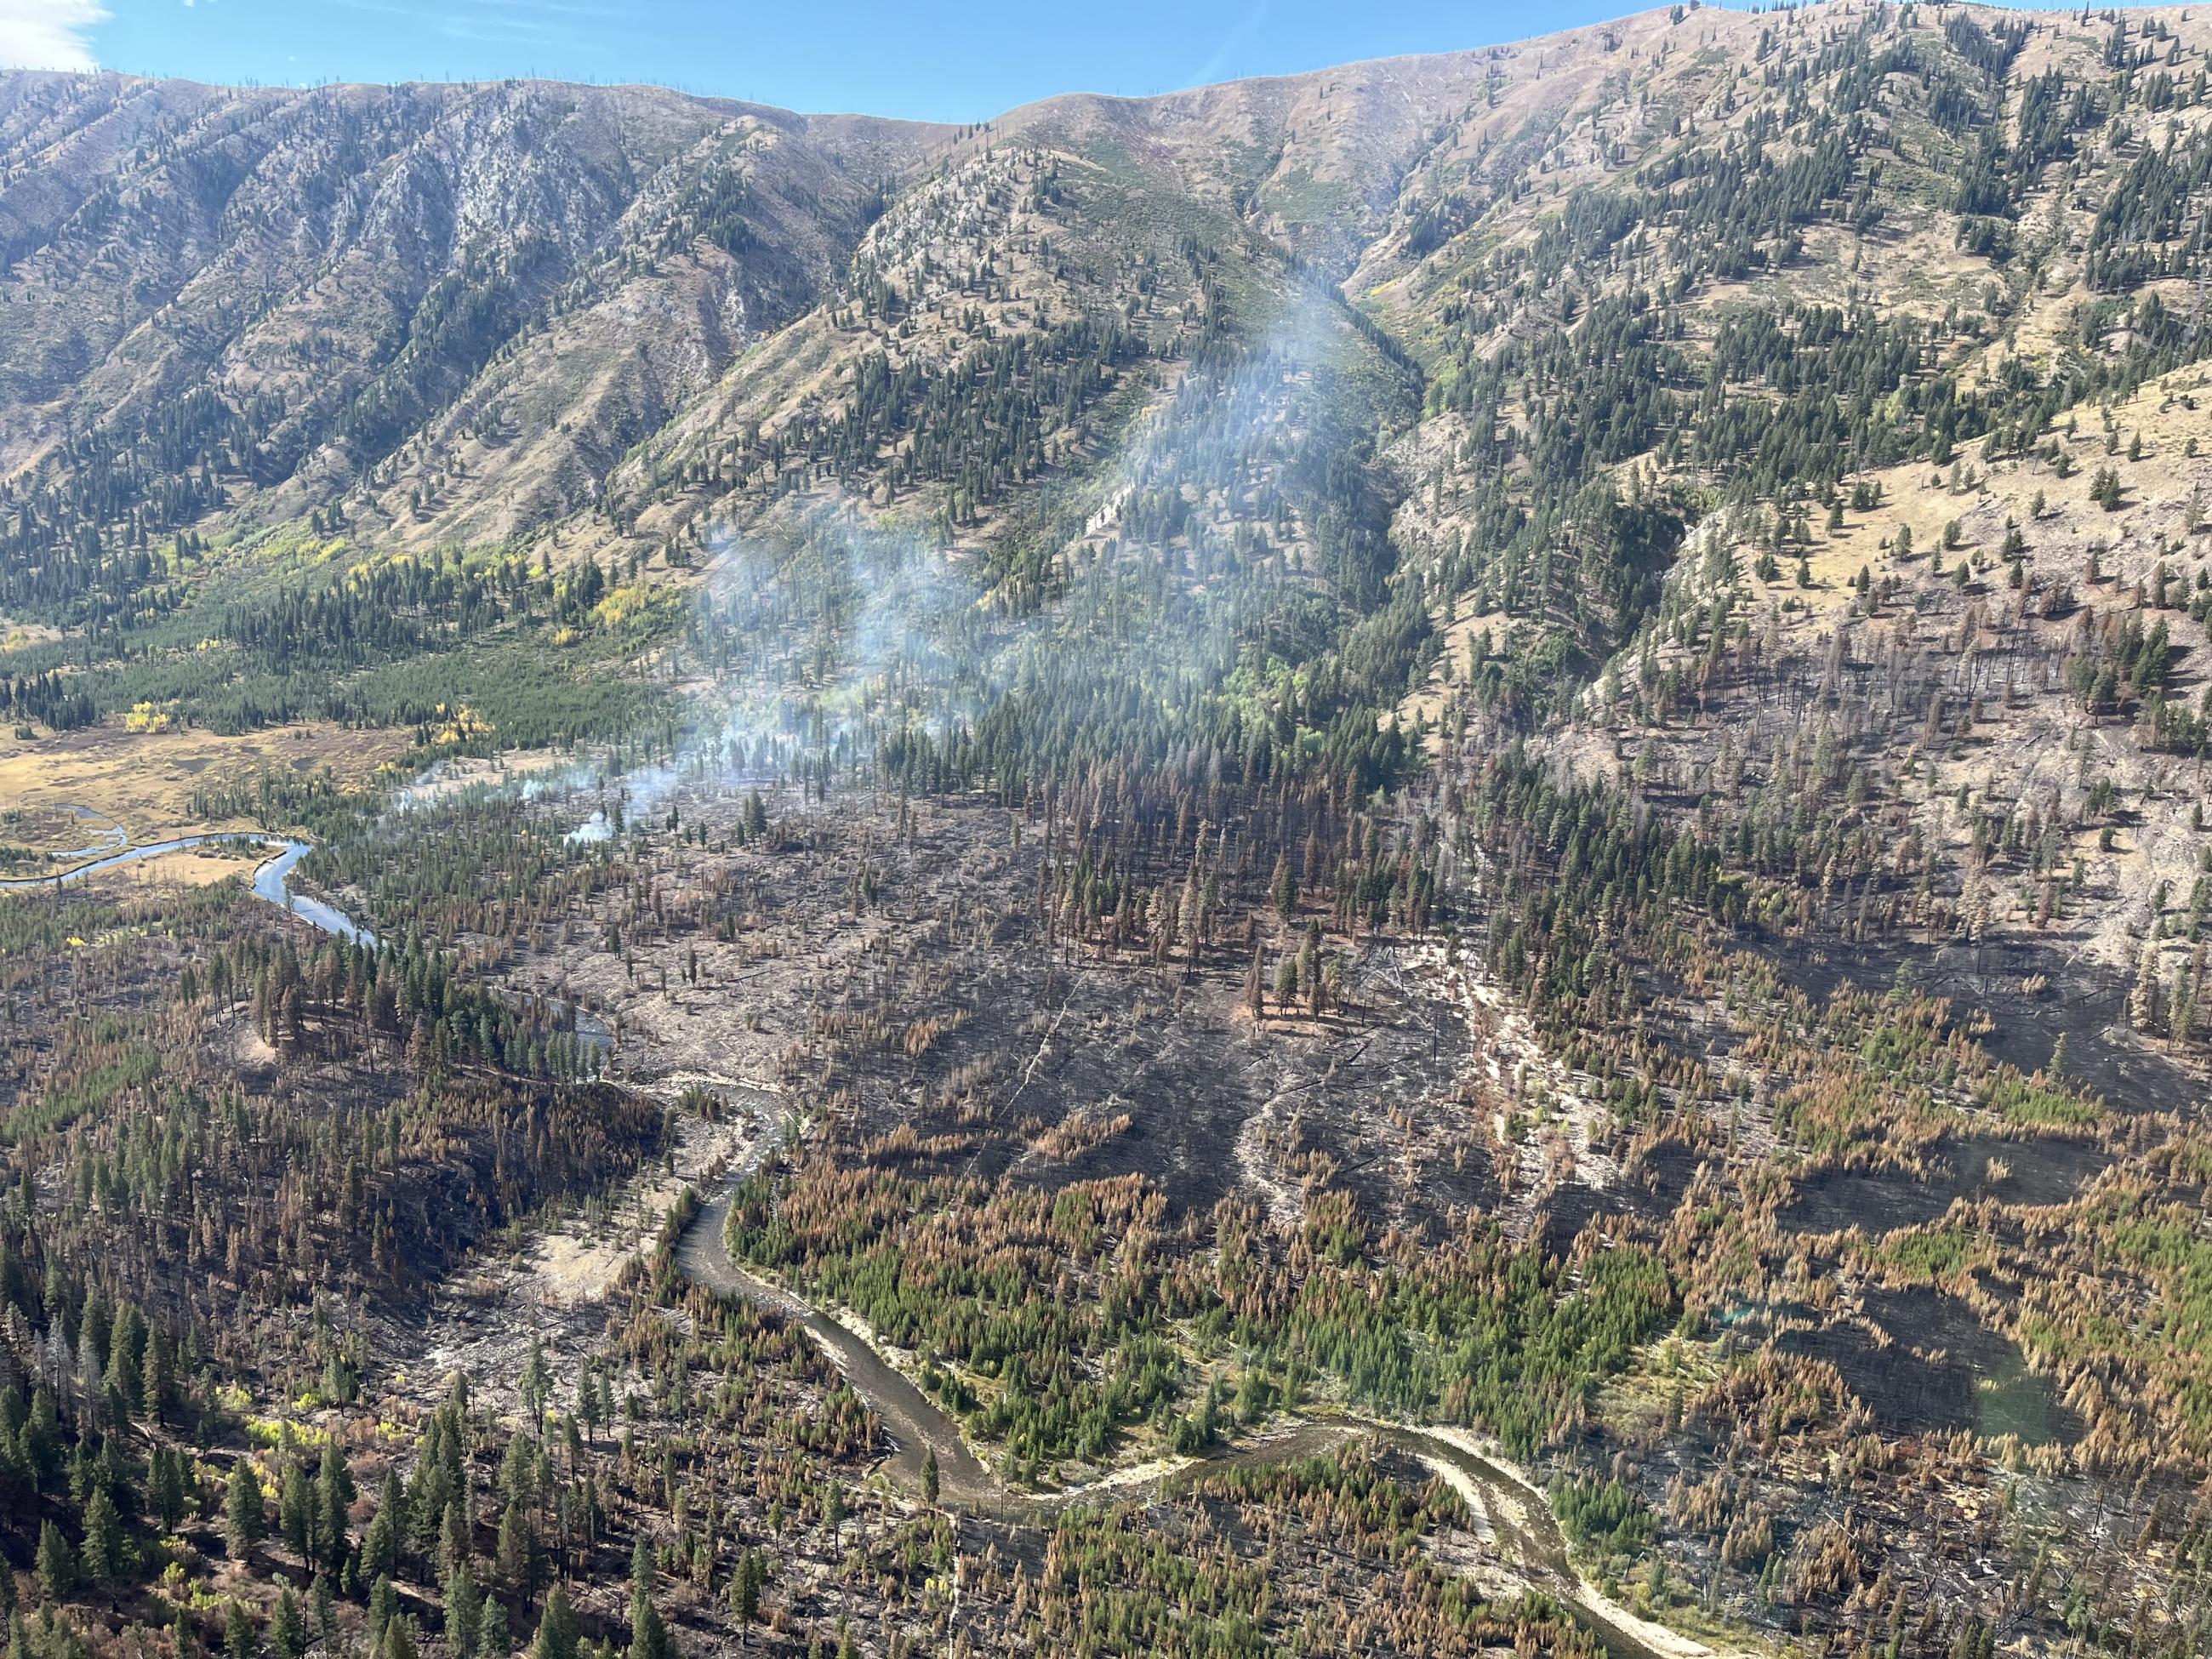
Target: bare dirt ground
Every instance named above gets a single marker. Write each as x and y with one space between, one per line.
14 634
887 961
1953 695
551 1287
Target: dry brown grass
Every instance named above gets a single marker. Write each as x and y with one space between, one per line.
145 781
199 866
1457 624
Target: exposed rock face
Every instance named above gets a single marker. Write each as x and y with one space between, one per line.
1592 291
314 293
354 270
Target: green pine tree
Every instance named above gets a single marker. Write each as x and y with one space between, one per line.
244 1512
556 1628
288 1628
239 1640
107 1552
644 1566
464 1613
295 1511
648 1635
56 1565
334 1496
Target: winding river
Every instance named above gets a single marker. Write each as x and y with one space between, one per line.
1516 1511
272 876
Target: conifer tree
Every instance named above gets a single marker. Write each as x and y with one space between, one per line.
56 1565
556 1628
244 1511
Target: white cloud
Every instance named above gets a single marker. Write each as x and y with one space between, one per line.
48 34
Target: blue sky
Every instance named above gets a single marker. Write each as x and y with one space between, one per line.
956 62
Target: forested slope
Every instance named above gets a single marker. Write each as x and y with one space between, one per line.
1511 741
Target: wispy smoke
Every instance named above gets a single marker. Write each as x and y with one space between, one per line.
827 634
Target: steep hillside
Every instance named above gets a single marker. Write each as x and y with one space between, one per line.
1839 297
259 301
1499 750
1759 278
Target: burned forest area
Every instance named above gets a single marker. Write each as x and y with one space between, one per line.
1404 861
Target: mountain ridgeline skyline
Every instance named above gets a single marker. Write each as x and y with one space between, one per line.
1404 861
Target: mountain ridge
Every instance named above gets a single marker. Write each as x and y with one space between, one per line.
1515 741
1266 111
558 322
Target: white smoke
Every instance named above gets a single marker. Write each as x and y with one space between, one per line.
830 633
